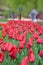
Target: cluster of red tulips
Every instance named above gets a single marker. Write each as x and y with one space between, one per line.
20 31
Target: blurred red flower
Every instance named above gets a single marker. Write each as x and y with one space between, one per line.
41 53
1 57
4 46
3 32
1 40
12 52
31 55
25 61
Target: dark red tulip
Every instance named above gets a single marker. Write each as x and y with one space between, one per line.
1 57
13 52
1 40
19 50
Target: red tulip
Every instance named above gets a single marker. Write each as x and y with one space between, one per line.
40 40
3 32
40 31
1 57
31 56
24 41
25 33
25 61
15 31
19 50
20 29
41 53
13 36
7 28
25 28
31 50
32 30
13 52
36 35
9 46
21 37
42 27
27 46
17 37
1 40
30 43
4 46
10 33
31 38
21 45
17 25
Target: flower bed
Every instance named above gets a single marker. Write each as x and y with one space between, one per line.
21 43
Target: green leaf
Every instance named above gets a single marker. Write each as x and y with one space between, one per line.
28 36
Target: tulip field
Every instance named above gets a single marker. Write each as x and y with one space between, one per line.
21 43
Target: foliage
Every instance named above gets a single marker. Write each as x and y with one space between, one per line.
27 5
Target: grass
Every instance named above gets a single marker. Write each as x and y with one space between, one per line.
41 23
3 20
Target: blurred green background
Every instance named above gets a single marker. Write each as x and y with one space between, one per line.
27 5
